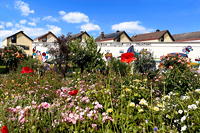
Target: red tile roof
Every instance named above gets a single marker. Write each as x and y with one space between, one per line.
150 36
190 36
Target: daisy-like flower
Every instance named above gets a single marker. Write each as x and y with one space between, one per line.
109 110
193 106
143 102
131 104
156 108
183 128
180 111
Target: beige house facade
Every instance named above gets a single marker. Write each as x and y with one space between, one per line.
48 37
82 36
19 39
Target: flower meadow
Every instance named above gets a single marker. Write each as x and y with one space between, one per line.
121 98
92 102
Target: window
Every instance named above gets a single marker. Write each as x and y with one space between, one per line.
13 39
121 51
44 39
24 47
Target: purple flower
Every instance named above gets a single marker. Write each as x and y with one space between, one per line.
155 129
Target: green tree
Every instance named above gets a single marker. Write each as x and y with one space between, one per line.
12 55
61 53
86 55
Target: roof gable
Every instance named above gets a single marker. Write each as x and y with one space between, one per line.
45 35
78 35
20 32
151 36
112 36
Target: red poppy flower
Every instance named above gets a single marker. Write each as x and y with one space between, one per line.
4 129
26 70
73 92
127 57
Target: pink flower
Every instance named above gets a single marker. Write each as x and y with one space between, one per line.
171 67
44 105
94 126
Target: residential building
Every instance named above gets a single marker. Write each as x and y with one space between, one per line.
82 36
118 36
157 36
19 39
187 37
48 37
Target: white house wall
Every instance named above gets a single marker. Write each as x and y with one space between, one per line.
158 49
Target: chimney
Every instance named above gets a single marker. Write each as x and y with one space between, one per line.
102 35
117 31
157 30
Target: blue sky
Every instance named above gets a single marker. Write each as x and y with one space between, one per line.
94 16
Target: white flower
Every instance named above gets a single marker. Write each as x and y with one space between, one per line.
166 97
140 110
132 104
183 118
143 102
193 106
176 121
197 102
183 128
180 111
185 97
197 90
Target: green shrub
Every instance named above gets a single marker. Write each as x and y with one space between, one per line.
86 56
119 67
145 62
12 55
29 62
178 75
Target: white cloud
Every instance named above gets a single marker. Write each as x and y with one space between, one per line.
30 31
32 23
62 13
74 17
131 27
1 27
50 18
23 21
24 8
9 24
5 33
90 27
54 29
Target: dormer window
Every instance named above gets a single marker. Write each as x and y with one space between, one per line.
14 39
